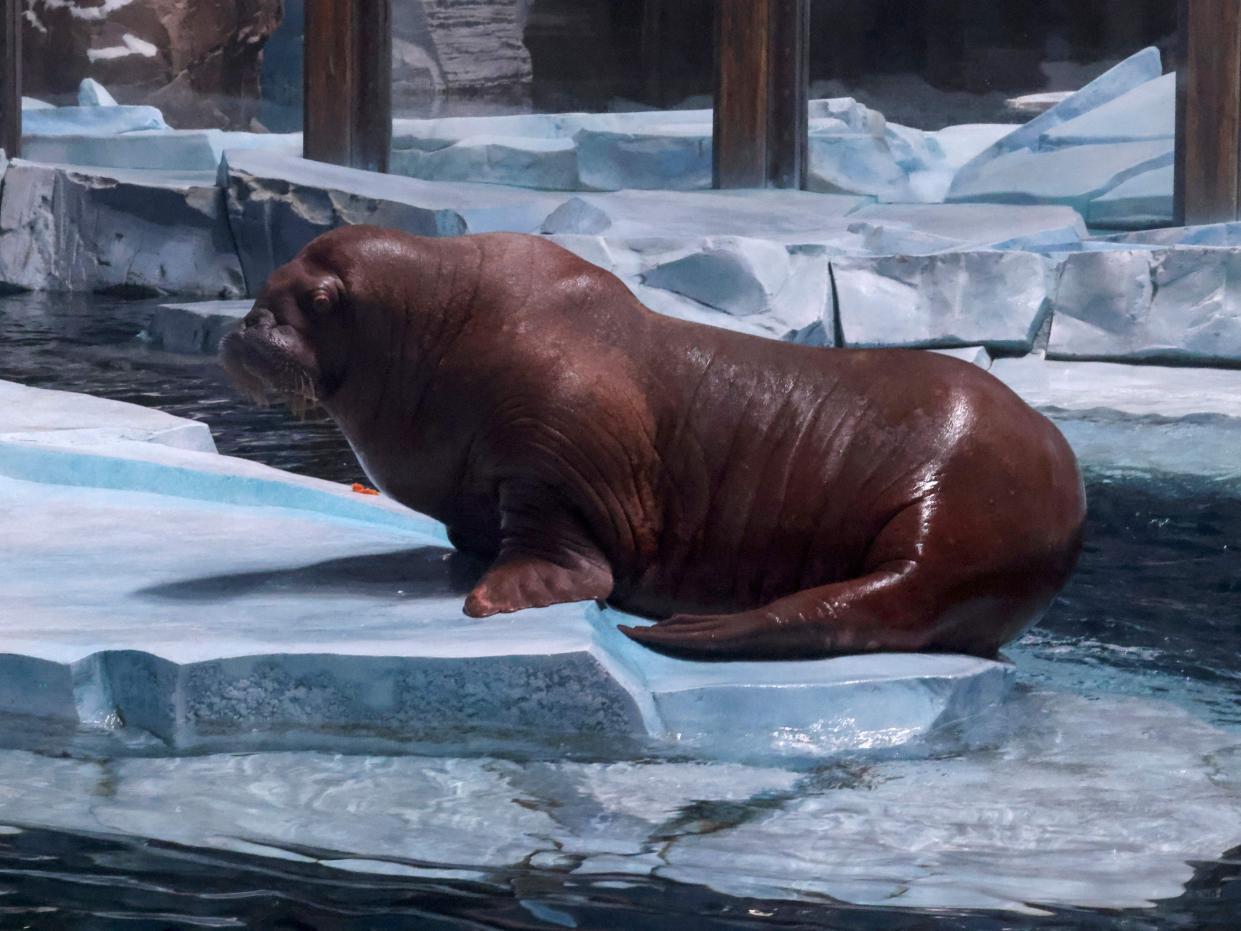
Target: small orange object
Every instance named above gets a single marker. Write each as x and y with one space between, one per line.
363 490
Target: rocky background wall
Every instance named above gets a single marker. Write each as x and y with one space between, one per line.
230 63
197 61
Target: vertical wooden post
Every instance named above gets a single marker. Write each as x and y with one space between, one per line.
1208 112
788 91
761 76
11 77
348 83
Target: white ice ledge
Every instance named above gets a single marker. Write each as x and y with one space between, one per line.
214 602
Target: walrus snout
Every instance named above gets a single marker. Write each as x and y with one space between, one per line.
264 356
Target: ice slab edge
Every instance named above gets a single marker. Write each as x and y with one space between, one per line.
590 685
591 699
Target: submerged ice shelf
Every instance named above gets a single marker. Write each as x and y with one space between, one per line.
212 601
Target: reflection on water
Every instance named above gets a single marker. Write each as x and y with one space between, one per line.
1108 778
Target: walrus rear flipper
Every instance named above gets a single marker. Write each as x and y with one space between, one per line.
885 611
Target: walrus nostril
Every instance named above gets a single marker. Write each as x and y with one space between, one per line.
259 317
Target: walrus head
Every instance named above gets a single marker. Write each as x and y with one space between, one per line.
293 342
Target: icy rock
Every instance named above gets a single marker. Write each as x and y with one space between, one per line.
1143 201
968 226
546 164
216 603
855 163
751 286
97 121
994 299
1133 72
168 150
180 150
93 94
779 215
195 328
737 276
141 232
1074 176
1145 114
32 103
278 203
576 217
1138 418
1211 234
1176 305
672 157
66 418
857 117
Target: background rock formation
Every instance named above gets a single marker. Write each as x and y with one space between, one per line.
197 61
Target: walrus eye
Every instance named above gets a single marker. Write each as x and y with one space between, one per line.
320 303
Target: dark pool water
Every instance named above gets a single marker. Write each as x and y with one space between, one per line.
1154 610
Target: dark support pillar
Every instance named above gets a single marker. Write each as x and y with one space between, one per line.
1208 112
761 77
11 77
348 82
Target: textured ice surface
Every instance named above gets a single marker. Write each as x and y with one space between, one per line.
165 150
196 327
65 419
278 203
780 215
1144 200
94 120
69 229
996 299
1131 73
1073 176
667 157
218 602
1138 418
1146 113
753 286
1169 305
533 162
93 94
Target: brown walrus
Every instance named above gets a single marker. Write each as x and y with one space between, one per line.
761 499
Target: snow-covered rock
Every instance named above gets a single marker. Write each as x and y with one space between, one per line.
994 299
1174 305
73 229
278 203
196 327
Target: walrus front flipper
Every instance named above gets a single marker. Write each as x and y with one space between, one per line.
546 558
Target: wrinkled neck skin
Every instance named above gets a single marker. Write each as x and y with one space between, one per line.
388 404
